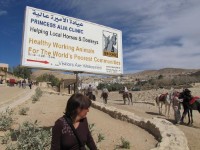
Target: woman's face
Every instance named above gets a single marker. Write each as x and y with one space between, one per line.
82 113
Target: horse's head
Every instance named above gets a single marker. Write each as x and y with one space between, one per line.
114 39
107 40
185 95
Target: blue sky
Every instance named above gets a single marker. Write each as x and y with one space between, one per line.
156 33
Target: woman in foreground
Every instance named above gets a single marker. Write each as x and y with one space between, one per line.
71 132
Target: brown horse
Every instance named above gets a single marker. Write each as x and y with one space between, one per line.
128 96
105 97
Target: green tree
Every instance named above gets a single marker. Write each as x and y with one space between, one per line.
22 72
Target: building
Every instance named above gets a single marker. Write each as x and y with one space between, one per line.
4 67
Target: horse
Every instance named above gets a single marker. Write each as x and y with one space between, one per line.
107 41
164 99
189 104
125 96
110 42
91 96
105 97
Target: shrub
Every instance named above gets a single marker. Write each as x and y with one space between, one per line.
91 127
5 138
100 137
37 95
30 136
124 143
6 119
23 111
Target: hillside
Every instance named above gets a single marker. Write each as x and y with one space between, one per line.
58 74
167 72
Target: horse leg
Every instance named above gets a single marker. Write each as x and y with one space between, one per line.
188 117
168 115
124 100
191 116
165 109
131 99
184 114
161 108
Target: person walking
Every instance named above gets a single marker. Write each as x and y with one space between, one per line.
104 94
71 131
90 90
24 83
30 84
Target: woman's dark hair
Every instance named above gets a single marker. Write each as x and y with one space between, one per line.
76 101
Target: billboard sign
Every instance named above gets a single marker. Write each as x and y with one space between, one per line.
54 41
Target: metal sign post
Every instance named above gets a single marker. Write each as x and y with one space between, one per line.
76 90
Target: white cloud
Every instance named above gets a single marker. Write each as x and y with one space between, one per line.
157 33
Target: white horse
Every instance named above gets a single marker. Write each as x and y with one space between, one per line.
164 99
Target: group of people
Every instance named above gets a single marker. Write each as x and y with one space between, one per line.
23 84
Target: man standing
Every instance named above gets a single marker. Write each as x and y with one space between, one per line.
176 106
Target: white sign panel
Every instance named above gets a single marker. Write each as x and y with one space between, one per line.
55 41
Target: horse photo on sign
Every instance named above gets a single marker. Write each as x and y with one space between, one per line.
110 45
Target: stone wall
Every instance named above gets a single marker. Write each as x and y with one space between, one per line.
169 136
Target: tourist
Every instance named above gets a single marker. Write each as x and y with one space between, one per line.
30 84
20 84
176 106
105 90
24 83
125 89
71 132
104 94
90 89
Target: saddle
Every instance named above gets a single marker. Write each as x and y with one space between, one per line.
162 96
194 99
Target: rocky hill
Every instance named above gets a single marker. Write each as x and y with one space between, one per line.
167 72
58 74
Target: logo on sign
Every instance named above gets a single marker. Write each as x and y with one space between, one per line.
110 44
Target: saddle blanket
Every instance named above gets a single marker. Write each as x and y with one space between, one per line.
194 99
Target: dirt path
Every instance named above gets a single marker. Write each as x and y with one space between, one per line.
51 107
10 93
149 111
13 96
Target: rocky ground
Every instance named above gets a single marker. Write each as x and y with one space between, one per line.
144 106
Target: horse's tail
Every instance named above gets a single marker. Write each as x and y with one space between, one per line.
198 105
157 100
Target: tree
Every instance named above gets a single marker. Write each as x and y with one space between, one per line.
49 78
160 77
22 72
